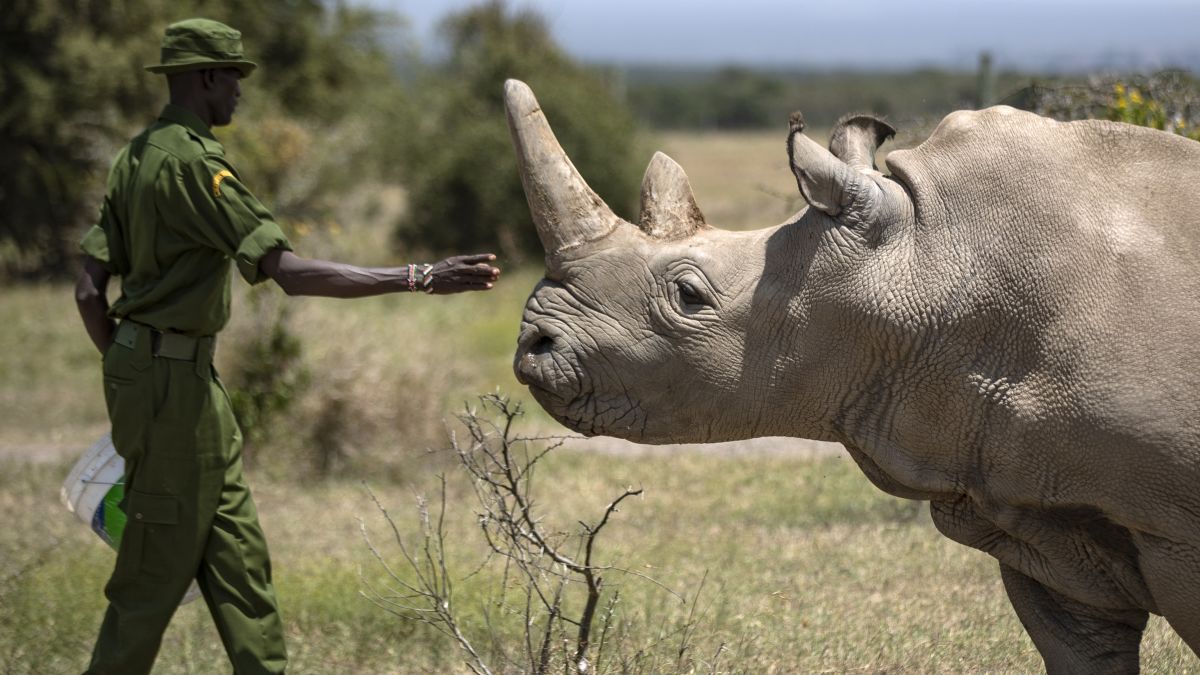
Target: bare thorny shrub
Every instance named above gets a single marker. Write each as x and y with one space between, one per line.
550 581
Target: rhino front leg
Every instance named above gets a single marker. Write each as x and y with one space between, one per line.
1073 637
1172 571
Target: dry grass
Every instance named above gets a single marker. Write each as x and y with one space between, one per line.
50 394
809 569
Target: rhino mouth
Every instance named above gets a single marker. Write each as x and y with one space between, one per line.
553 370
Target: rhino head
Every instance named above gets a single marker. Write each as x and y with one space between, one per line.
669 330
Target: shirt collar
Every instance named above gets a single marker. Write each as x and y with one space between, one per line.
180 115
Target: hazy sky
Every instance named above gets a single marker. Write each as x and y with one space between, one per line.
1062 34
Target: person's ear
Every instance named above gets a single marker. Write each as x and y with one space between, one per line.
208 77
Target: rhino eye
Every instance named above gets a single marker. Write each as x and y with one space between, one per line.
691 295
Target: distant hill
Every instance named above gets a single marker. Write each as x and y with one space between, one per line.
667 97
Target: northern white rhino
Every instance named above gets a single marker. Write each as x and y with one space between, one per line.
1008 326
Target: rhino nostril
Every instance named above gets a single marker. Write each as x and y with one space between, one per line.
533 350
544 345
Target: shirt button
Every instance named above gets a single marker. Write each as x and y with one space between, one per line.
138 516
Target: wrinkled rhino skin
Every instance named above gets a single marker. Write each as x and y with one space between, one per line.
1007 325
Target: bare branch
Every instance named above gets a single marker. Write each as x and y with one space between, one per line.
432 588
545 565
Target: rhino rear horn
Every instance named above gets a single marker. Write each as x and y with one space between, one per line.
828 183
669 209
855 139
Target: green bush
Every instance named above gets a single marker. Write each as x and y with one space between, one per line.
72 91
1167 100
66 94
1130 105
465 193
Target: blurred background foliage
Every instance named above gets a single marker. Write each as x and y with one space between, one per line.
72 91
735 98
344 104
1168 100
464 190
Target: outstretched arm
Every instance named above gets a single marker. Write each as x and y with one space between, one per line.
91 298
303 276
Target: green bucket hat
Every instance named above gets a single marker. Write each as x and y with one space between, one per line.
196 44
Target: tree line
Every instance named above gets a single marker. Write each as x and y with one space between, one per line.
340 102
326 111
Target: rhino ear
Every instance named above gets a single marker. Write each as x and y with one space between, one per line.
669 209
855 139
828 183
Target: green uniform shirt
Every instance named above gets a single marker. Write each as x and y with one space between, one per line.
174 215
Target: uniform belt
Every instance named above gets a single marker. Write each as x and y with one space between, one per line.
167 345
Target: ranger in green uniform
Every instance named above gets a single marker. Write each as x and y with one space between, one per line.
175 214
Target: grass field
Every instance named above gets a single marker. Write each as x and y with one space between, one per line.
799 564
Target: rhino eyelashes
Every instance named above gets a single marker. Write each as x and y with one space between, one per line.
693 296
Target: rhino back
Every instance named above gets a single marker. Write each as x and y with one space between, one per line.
1093 225
1127 189
1134 184
1063 258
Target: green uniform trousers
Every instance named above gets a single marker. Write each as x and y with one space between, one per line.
190 514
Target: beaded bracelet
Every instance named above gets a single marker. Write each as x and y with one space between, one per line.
427 278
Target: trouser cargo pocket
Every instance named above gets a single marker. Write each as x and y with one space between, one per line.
152 528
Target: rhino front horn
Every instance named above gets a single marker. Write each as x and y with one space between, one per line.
567 213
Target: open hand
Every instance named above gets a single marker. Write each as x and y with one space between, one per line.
463 273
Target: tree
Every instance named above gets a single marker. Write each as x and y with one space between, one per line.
72 91
66 98
465 190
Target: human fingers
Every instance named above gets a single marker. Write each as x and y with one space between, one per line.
481 269
476 269
474 258
461 286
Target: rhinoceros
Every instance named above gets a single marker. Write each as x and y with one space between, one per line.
1006 325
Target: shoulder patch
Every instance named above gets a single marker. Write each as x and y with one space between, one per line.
216 181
